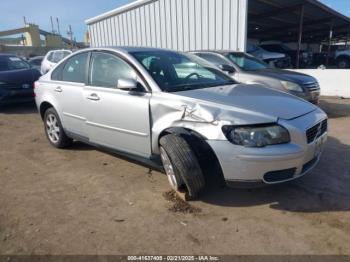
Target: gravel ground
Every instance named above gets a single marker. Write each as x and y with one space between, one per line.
85 201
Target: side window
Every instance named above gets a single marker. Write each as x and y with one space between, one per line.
74 69
50 57
106 69
57 73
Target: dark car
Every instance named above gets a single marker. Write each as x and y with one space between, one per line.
247 69
35 62
305 57
17 79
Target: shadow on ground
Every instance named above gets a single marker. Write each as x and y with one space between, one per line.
325 188
27 108
336 108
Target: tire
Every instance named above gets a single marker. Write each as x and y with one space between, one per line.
54 130
343 62
184 164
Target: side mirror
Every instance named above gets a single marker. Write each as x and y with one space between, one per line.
227 68
127 84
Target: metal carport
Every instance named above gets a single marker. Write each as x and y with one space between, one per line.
300 21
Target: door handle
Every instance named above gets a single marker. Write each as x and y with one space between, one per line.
58 89
93 96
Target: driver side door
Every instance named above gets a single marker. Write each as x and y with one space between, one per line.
117 119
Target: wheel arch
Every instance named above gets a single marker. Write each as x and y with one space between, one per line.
43 107
203 151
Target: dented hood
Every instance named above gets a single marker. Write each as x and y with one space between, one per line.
253 99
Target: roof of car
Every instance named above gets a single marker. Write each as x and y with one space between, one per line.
6 54
130 49
216 51
36 57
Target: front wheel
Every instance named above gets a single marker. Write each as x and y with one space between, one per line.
54 130
181 165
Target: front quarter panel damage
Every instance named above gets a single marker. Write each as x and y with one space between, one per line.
167 112
171 110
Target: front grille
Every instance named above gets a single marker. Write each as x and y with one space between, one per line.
316 131
313 86
309 164
279 175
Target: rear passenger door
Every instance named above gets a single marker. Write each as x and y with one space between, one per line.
69 80
118 119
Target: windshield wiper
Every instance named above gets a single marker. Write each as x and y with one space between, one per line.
187 87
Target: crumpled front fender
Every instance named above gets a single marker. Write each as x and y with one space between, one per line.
175 113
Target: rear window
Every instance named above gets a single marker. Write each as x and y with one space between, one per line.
57 56
8 63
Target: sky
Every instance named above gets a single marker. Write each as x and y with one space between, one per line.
75 12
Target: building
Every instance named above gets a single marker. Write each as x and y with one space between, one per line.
218 24
176 24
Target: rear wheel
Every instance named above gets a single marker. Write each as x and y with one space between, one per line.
54 130
181 165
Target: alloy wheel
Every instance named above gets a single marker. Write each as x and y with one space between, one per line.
52 128
169 169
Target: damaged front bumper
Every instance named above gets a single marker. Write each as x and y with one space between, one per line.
276 163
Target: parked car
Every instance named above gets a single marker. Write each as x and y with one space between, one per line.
52 58
153 104
305 56
247 69
278 60
342 59
35 62
16 80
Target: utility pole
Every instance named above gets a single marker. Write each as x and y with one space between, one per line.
24 20
52 28
70 34
58 26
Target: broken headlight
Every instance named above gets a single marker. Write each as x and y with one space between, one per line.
256 136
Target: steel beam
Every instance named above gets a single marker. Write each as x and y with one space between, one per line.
301 22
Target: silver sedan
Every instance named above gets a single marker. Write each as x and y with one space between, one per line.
174 110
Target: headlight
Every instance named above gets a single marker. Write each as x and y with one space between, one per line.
256 136
290 86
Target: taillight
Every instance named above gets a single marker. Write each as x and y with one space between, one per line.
35 85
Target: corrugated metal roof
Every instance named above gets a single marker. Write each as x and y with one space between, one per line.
118 10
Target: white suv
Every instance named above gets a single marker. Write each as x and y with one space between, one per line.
52 58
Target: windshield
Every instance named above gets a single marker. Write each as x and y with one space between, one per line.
174 71
8 63
246 62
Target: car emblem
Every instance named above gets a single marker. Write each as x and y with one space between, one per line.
26 86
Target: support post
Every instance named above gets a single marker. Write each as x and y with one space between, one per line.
301 22
347 37
329 42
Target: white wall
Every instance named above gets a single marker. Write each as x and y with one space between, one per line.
175 24
333 82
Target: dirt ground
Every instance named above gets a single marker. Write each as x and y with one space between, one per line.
85 201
